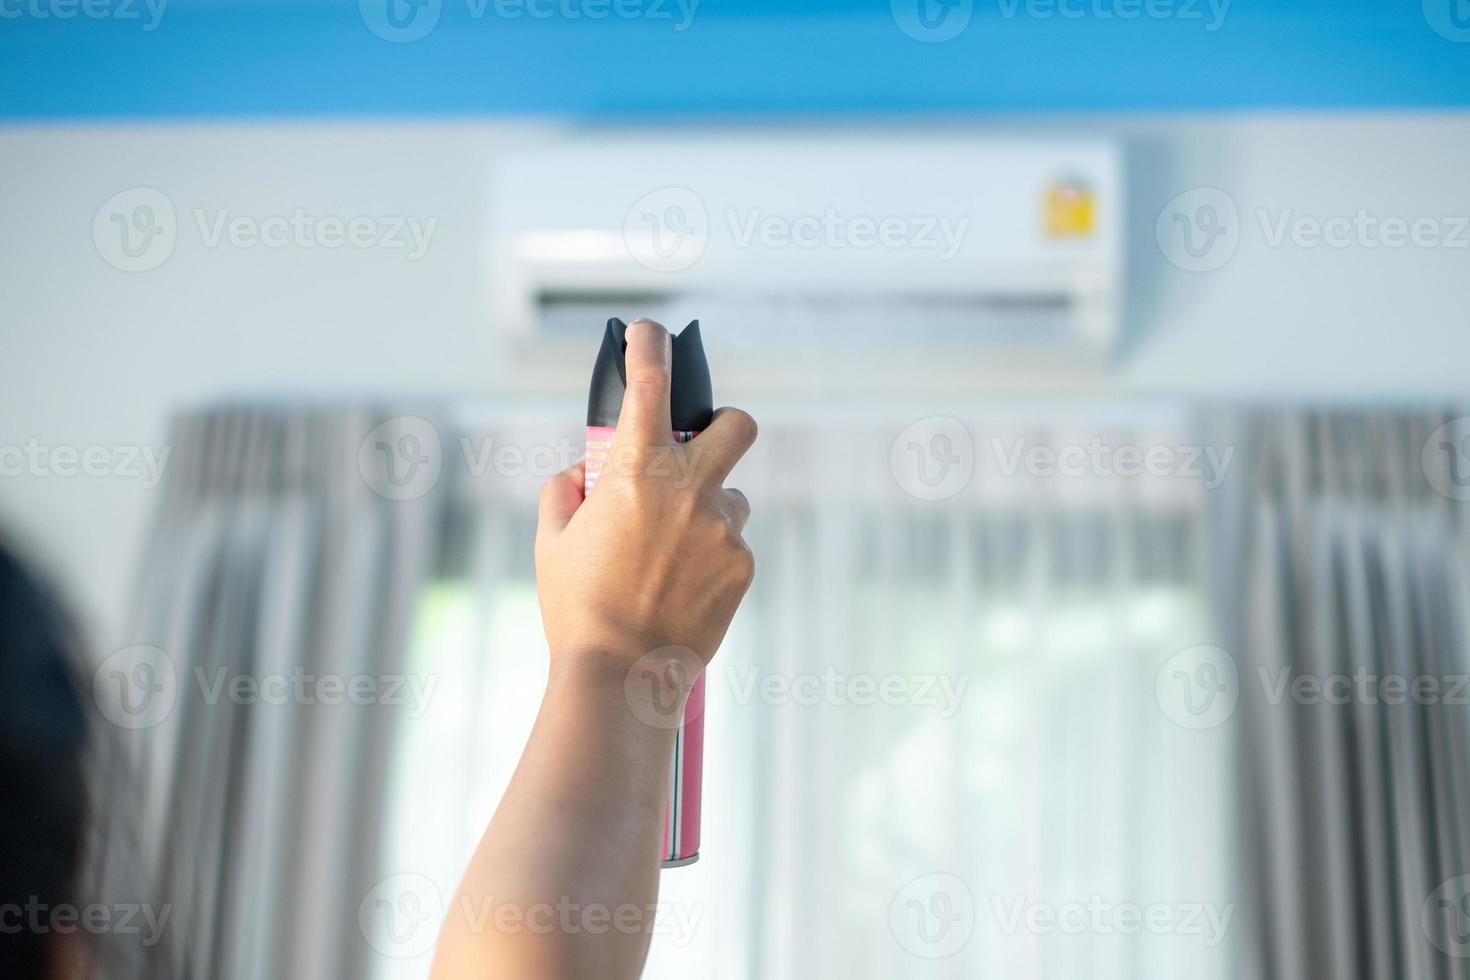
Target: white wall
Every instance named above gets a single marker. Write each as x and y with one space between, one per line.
93 356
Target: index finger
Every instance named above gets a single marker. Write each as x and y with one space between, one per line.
719 447
647 368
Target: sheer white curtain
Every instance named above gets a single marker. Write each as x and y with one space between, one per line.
934 742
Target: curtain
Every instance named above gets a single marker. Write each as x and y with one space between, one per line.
1041 721
926 707
1342 553
288 554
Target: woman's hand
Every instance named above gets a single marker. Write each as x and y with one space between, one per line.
652 559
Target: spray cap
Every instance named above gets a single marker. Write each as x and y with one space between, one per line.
691 403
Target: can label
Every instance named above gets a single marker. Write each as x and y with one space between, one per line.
686 773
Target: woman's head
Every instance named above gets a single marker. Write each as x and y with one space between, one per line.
44 807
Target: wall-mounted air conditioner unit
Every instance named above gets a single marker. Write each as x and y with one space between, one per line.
955 248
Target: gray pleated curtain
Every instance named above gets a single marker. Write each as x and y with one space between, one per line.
1338 557
270 553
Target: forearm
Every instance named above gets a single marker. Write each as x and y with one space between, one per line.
564 882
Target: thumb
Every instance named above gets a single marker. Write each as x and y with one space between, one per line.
560 497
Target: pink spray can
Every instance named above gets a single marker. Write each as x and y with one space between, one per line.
691 406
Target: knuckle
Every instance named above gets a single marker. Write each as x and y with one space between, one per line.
649 378
686 509
640 490
743 564
624 461
714 526
743 425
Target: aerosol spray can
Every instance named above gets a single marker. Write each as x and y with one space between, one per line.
691 407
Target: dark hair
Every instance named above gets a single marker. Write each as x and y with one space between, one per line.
69 801
44 810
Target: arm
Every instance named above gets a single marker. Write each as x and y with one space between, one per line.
640 579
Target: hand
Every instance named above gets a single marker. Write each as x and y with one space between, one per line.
652 560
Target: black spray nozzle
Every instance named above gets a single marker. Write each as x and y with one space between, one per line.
691 403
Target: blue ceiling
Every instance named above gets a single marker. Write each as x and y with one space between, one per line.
63 59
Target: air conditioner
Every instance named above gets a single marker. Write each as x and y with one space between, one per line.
942 248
